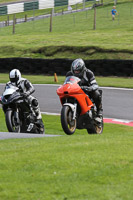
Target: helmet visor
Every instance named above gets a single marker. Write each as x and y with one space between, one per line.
13 80
77 71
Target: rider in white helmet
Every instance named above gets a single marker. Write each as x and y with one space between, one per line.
26 88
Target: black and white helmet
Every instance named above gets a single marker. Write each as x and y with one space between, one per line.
15 76
78 67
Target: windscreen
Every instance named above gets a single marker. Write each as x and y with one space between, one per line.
71 80
11 86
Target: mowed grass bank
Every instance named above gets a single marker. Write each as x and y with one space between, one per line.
80 166
76 167
102 81
111 39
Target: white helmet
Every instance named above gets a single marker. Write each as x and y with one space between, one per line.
15 76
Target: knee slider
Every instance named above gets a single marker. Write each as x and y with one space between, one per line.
34 102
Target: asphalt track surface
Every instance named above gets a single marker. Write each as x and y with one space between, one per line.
6 135
117 103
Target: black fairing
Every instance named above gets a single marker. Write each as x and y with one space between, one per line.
84 121
8 99
20 108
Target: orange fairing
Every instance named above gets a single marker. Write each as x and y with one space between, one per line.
72 89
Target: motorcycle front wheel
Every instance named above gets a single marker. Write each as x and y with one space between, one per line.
68 123
11 122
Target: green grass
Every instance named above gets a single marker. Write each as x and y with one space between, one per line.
32 13
73 36
80 166
102 81
77 167
115 82
29 13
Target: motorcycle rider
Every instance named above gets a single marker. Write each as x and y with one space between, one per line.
88 82
26 88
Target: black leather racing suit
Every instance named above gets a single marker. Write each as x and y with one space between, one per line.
89 85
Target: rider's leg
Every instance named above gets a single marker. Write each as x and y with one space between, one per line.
35 105
97 97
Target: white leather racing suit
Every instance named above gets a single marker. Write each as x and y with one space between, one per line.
26 88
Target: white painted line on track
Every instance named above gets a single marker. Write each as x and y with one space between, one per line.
113 119
49 84
121 120
109 88
118 121
114 88
48 113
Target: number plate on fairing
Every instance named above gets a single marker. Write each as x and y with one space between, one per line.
30 127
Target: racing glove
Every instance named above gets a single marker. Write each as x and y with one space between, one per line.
25 94
86 88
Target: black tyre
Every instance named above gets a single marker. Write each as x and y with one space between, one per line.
39 127
11 122
40 130
97 128
91 131
68 123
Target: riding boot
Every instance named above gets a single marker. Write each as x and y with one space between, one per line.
37 112
97 97
99 110
39 121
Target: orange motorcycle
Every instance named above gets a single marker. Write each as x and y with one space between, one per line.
78 109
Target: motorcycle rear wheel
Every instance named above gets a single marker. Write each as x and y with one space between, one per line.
12 126
68 123
97 129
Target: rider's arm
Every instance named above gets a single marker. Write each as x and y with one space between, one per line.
29 87
93 84
69 74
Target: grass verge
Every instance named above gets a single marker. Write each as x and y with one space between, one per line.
80 166
102 81
110 40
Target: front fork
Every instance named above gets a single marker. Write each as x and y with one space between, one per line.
75 111
73 108
16 116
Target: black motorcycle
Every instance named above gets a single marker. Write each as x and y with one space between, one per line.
19 115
